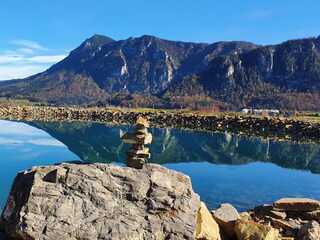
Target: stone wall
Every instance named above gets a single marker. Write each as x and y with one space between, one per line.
283 128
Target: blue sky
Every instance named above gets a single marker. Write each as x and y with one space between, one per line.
37 33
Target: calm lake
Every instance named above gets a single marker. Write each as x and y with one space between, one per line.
223 168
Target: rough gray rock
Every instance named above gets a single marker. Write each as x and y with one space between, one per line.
226 216
101 201
309 231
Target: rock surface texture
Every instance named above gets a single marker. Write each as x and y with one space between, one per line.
226 216
207 227
309 231
296 204
294 218
250 230
101 201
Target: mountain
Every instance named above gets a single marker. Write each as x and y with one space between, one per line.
89 140
285 76
101 67
153 72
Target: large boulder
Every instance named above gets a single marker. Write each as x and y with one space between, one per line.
101 201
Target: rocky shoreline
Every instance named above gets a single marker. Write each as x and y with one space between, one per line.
266 127
106 201
286 219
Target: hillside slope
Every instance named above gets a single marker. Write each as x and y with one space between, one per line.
152 72
101 67
285 76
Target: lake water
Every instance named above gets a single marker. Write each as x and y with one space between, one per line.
223 168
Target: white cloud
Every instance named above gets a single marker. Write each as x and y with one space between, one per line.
10 58
19 134
29 44
29 156
46 142
38 142
27 59
19 58
46 59
19 128
26 50
16 72
10 142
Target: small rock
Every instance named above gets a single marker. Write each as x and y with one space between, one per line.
309 231
276 214
137 163
141 130
250 230
289 234
286 225
267 210
314 215
144 153
295 223
226 216
207 227
137 139
296 204
245 216
142 123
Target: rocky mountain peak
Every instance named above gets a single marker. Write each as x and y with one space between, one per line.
237 73
93 43
98 40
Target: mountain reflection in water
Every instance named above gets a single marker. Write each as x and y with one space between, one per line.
223 168
96 142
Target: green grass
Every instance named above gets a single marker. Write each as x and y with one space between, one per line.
307 118
17 102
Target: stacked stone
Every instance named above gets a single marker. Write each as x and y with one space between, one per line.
137 154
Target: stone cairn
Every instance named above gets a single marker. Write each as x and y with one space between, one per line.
137 154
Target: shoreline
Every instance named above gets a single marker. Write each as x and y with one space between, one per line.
276 128
286 218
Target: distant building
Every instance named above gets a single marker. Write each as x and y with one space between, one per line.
246 111
263 112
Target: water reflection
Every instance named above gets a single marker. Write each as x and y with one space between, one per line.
243 172
96 142
23 146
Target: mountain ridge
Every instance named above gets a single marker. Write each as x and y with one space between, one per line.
151 71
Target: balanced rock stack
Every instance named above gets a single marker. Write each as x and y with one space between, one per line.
137 154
